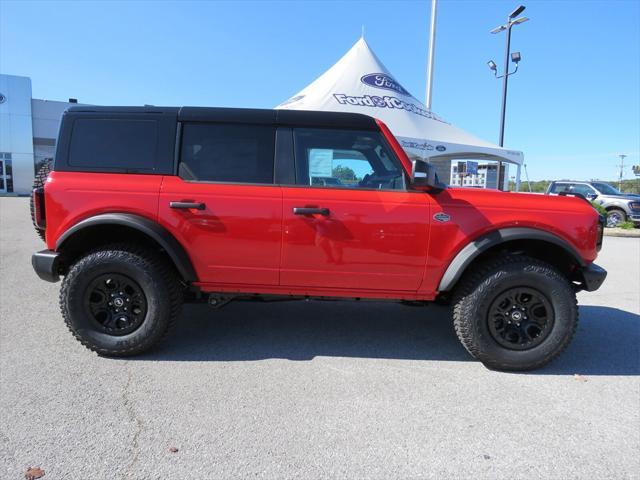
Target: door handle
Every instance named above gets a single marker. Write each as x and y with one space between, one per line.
310 211
187 205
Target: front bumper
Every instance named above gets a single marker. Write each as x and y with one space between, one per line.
634 217
45 263
593 276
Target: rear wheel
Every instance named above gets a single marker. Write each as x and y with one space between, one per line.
515 313
615 217
120 300
38 182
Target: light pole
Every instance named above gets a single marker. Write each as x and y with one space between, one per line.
432 53
515 58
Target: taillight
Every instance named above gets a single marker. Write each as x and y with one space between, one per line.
38 208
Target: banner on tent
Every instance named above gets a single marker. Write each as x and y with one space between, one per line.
374 101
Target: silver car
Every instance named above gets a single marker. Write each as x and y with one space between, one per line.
620 206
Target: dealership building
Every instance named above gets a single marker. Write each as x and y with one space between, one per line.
28 132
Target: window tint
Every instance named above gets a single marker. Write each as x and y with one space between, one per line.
607 189
345 159
114 143
561 187
227 153
583 189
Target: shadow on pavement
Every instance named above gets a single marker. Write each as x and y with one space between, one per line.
607 341
302 331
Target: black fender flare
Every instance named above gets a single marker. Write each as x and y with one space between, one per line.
472 250
144 225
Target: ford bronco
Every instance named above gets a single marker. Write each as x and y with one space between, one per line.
147 207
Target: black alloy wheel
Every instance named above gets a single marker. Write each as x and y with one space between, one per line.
116 303
520 318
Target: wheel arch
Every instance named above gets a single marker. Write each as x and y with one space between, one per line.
537 243
109 227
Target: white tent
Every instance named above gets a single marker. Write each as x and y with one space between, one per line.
360 83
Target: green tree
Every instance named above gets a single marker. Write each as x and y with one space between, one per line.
344 173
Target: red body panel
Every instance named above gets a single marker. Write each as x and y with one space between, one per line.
372 239
373 244
475 212
73 196
236 239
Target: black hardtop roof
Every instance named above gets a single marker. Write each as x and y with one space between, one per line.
305 118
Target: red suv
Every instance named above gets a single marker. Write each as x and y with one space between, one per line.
147 207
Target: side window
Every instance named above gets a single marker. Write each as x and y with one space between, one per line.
215 152
583 189
561 188
345 159
114 144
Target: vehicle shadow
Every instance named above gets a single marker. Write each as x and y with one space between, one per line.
303 330
607 341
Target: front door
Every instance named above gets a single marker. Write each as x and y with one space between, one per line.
224 207
349 223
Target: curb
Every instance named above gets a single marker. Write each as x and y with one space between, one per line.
621 232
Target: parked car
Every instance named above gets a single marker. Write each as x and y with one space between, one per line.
148 207
620 206
325 181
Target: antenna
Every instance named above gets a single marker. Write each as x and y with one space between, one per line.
362 34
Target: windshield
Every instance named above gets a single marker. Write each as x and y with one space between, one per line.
606 188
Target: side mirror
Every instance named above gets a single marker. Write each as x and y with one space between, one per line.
423 177
591 196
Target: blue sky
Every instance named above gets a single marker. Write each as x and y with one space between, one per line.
573 106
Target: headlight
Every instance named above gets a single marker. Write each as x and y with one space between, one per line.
634 205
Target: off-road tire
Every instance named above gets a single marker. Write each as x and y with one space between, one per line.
38 182
157 279
617 212
484 283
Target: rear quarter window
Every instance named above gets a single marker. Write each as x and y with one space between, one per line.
129 144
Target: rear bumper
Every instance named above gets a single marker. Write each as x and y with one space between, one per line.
593 276
45 263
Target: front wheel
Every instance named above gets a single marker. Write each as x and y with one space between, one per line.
120 300
615 217
515 313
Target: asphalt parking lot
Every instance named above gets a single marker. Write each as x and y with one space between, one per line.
312 390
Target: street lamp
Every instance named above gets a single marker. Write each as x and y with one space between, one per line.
515 58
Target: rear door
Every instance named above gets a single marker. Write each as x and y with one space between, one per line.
349 222
224 206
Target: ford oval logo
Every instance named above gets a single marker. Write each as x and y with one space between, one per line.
441 148
441 217
381 80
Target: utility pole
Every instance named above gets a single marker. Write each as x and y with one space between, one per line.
622 157
432 52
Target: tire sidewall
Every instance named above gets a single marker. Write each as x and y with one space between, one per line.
126 263
616 211
557 291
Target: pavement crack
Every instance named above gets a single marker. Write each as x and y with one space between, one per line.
134 449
